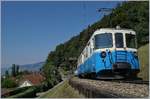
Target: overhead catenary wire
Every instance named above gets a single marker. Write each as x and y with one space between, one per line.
105 11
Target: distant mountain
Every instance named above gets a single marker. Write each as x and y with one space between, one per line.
32 67
28 67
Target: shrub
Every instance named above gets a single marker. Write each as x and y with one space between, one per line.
8 83
16 91
29 93
41 88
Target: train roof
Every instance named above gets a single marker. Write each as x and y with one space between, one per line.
115 29
112 30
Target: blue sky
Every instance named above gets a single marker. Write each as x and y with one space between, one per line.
30 30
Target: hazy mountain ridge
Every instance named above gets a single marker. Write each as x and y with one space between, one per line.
28 67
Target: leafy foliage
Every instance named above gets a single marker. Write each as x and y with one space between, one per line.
52 75
15 70
143 53
132 15
8 83
28 93
16 91
6 73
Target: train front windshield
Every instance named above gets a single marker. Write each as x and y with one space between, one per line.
119 40
131 41
103 40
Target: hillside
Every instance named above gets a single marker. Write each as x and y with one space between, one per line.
132 15
143 53
63 90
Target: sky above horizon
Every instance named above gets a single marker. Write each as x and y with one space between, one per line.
30 30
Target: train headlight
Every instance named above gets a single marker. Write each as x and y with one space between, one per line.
103 54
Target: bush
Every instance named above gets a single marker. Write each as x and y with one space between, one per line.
8 83
19 90
29 93
16 91
143 53
41 88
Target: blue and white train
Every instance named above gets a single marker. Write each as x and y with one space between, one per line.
110 53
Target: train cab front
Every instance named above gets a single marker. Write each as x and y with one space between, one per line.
121 57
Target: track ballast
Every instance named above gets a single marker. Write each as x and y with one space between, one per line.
115 88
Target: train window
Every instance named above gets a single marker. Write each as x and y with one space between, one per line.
86 52
130 41
90 50
82 58
119 40
103 40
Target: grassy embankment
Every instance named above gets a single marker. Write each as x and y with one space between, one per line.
64 90
143 53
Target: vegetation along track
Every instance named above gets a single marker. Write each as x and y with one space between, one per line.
114 89
132 81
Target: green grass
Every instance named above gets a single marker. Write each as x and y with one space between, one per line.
143 53
64 90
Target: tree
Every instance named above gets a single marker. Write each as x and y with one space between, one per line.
17 69
13 72
52 75
8 83
6 74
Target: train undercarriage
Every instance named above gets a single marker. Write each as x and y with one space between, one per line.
119 71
